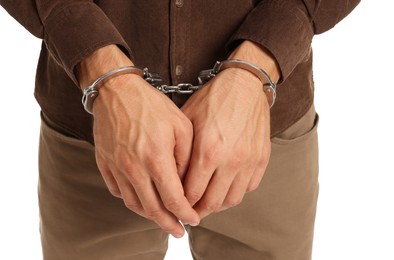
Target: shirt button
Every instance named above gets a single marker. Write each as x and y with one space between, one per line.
179 3
178 70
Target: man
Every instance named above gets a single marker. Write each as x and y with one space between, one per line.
187 159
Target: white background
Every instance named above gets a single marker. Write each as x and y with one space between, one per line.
354 96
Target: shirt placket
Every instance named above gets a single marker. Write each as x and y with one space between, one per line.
180 12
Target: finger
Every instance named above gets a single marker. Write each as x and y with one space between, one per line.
260 168
183 147
155 210
108 177
237 190
130 198
170 189
126 190
141 197
215 193
199 174
256 178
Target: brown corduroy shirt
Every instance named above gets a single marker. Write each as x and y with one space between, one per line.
176 38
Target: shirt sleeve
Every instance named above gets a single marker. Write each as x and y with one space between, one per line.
70 29
286 27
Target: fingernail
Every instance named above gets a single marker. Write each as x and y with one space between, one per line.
193 224
177 235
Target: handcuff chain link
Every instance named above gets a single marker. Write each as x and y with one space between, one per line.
154 79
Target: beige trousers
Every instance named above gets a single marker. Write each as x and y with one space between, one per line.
80 220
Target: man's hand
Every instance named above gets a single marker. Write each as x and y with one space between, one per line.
143 144
231 146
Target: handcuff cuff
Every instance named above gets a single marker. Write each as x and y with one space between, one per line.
154 79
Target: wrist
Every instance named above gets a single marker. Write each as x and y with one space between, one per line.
258 55
247 73
112 77
240 76
100 62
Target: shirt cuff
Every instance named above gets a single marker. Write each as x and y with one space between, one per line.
283 28
75 31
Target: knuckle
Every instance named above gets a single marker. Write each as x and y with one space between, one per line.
266 152
237 160
173 205
127 166
211 154
154 214
151 159
213 206
255 159
155 163
252 187
133 206
115 193
158 178
209 148
193 196
263 160
123 162
232 202
262 165
135 179
119 155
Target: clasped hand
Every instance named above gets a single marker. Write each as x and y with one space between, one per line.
170 164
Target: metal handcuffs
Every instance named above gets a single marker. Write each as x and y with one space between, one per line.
154 79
